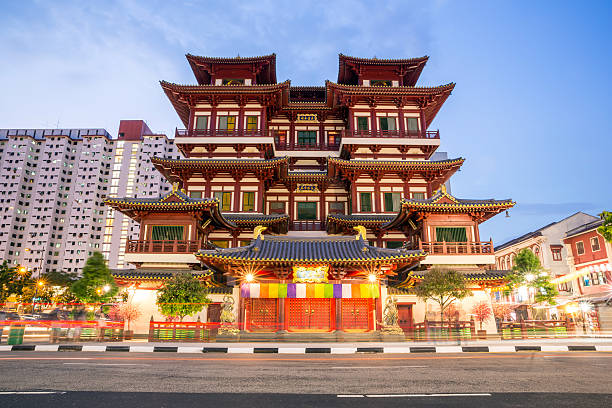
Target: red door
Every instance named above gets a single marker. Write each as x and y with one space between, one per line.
404 312
262 315
313 315
357 315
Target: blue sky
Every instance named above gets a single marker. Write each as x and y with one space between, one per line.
530 112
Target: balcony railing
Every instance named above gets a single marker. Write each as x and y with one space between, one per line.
406 134
162 247
221 133
457 248
307 226
283 145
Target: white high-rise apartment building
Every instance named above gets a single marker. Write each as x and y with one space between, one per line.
52 183
133 175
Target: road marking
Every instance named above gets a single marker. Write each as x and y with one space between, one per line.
30 392
108 364
409 395
370 367
573 356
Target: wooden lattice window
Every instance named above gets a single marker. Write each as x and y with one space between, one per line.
251 122
248 201
307 137
225 200
392 201
387 123
167 232
277 207
201 122
365 202
362 123
306 211
451 234
227 122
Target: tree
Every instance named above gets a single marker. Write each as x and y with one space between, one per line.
482 312
96 284
127 312
528 272
183 295
606 228
13 280
502 311
443 286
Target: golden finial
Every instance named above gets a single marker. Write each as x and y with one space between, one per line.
443 188
175 186
361 232
259 231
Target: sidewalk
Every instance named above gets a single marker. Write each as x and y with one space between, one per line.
493 346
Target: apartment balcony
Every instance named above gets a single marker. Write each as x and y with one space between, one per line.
161 252
458 253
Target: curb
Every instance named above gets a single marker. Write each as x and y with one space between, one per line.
305 350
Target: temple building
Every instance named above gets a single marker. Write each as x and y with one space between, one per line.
310 206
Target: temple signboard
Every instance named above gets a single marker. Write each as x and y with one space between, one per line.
310 274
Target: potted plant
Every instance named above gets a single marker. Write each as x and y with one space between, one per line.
482 312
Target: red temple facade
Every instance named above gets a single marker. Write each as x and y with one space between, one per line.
310 205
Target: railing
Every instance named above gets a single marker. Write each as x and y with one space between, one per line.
533 329
457 248
307 226
54 331
221 133
282 145
182 331
406 134
432 330
153 246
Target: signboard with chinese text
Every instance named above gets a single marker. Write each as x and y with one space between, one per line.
310 274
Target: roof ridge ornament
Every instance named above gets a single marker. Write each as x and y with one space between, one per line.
361 232
258 232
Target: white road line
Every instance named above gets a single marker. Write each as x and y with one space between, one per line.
46 347
343 350
449 349
30 392
141 349
603 348
108 364
502 349
570 356
189 350
370 367
349 396
94 348
240 350
423 395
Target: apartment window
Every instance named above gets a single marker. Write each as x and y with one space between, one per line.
365 202
307 137
248 201
594 244
336 208
195 194
580 248
227 122
251 122
418 196
225 200
392 201
306 211
413 124
277 207
387 123
201 122
451 234
556 253
167 232
362 123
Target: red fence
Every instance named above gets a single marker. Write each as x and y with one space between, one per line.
533 329
65 330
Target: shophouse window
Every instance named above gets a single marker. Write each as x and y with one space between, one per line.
195 194
418 196
387 123
251 122
580 248
225 200
167 232
277 207
556 254
595 278
362 123
233 81
451 234
227 122
563 287
413 124
365 202
336 208
392 201
201 122
595 244
394 244
307 137
306 211
248 201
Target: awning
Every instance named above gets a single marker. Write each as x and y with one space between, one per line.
309 290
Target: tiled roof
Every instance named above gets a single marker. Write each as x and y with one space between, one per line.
391 90
338 250
586 227
173 201
232 60
146 274
220 163
396 164
482 276
383 61
336 223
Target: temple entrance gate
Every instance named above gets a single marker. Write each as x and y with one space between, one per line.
310 315
357 315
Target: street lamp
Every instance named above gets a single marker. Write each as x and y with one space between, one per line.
39 284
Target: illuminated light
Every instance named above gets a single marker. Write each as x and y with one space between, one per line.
372 277
249 277
107 288
572 308
40 283
22 270
529 277
585 307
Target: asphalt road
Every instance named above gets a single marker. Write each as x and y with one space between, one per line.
371 380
